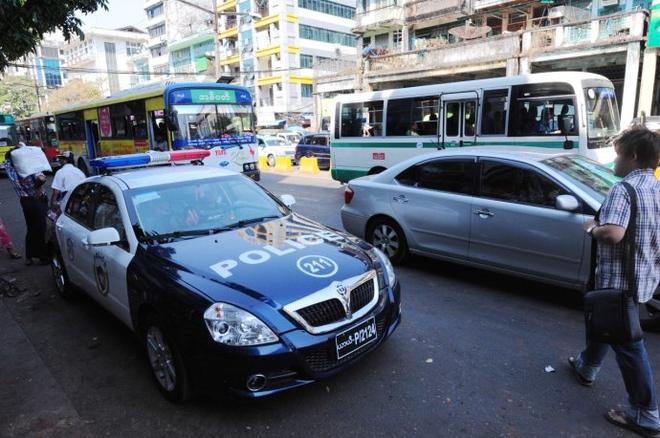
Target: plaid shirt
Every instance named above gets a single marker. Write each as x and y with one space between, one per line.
24 187
616 211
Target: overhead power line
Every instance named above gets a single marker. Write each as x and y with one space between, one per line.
154 73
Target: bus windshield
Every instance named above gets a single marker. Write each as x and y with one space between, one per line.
602 113
212 125
8 136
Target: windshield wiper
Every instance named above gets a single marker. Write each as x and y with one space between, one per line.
245 222
183 234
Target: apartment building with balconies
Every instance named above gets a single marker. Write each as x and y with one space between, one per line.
104 53
271 47
417 42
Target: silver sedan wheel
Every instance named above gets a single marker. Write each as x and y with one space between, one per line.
386 239
58 273
650 311
160 358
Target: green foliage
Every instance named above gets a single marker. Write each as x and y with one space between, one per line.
17 96
24 23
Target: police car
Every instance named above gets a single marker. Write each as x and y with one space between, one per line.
226 287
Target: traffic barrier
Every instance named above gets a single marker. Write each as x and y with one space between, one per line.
283 164
263 162
309 165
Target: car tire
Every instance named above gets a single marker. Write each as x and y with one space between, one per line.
62 283
649 312
387 236
165 360
271 160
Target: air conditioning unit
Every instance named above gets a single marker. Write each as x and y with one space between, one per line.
605 3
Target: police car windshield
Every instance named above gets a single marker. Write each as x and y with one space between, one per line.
202 207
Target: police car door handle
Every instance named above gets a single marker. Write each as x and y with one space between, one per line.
59 227
84 242
484 213
400 198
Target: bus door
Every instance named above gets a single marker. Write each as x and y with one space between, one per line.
92 135
459 119
158 130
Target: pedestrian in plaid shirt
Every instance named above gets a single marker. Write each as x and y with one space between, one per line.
34 203
638 155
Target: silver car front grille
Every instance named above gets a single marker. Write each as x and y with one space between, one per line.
336 305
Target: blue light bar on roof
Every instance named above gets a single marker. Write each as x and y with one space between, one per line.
148 158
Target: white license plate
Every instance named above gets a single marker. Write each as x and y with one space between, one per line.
355 338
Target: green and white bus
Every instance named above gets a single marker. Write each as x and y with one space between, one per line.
565 110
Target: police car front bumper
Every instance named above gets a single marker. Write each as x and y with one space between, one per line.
299 358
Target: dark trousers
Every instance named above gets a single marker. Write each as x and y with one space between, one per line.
34 211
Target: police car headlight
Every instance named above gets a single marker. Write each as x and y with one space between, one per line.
230 325
386 264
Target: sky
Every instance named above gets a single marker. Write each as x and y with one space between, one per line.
120 13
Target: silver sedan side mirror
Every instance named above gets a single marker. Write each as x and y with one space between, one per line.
567 203
288 200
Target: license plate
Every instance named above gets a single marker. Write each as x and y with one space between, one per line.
355 338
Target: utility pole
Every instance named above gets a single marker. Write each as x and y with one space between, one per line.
36 90
216 39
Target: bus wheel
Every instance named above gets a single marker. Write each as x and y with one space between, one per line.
387 236
83 167
271 160
376 170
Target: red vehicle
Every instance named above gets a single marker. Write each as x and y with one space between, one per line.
39 130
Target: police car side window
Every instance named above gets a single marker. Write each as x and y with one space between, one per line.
81 203
107 214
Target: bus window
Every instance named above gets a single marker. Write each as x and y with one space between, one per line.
470 118
362 119
159 140
452 118
494 111
128 120
71 126
416 116
543 109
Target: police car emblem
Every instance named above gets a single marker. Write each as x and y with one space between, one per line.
345 298
101 274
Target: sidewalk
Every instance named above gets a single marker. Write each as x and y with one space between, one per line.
32 403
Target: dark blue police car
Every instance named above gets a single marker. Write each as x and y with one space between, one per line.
226 287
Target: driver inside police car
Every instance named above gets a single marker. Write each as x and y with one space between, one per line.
209 205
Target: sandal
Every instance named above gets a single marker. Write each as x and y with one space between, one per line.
13 254
581 380
623 420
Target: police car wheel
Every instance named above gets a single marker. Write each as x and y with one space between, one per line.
649 312
165 361
271 160
387 236
62 283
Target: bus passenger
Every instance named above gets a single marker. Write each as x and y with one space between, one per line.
413 130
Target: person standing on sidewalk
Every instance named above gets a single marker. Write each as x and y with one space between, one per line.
638 154
35 206
66 178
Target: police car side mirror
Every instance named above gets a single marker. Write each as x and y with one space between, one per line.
288 200
567 203
103 237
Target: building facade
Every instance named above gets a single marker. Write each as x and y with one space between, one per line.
417 42
106 53
272 45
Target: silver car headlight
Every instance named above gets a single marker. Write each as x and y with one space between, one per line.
387 266
230 325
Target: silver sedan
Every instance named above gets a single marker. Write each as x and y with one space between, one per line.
518 211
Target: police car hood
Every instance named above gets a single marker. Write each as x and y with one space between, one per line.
277 261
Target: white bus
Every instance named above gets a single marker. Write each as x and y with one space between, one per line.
570 110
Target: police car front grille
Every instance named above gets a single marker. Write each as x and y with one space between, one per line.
320 359
325 312
362 295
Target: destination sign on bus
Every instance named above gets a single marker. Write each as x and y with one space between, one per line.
209 96
6 119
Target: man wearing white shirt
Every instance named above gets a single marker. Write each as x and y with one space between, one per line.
65 179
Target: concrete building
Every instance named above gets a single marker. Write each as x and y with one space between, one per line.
416 42
45 63
105 52
272 46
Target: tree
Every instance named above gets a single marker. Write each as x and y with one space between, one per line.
74 92
24 23
17 96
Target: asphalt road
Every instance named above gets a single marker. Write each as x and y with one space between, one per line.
468 359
